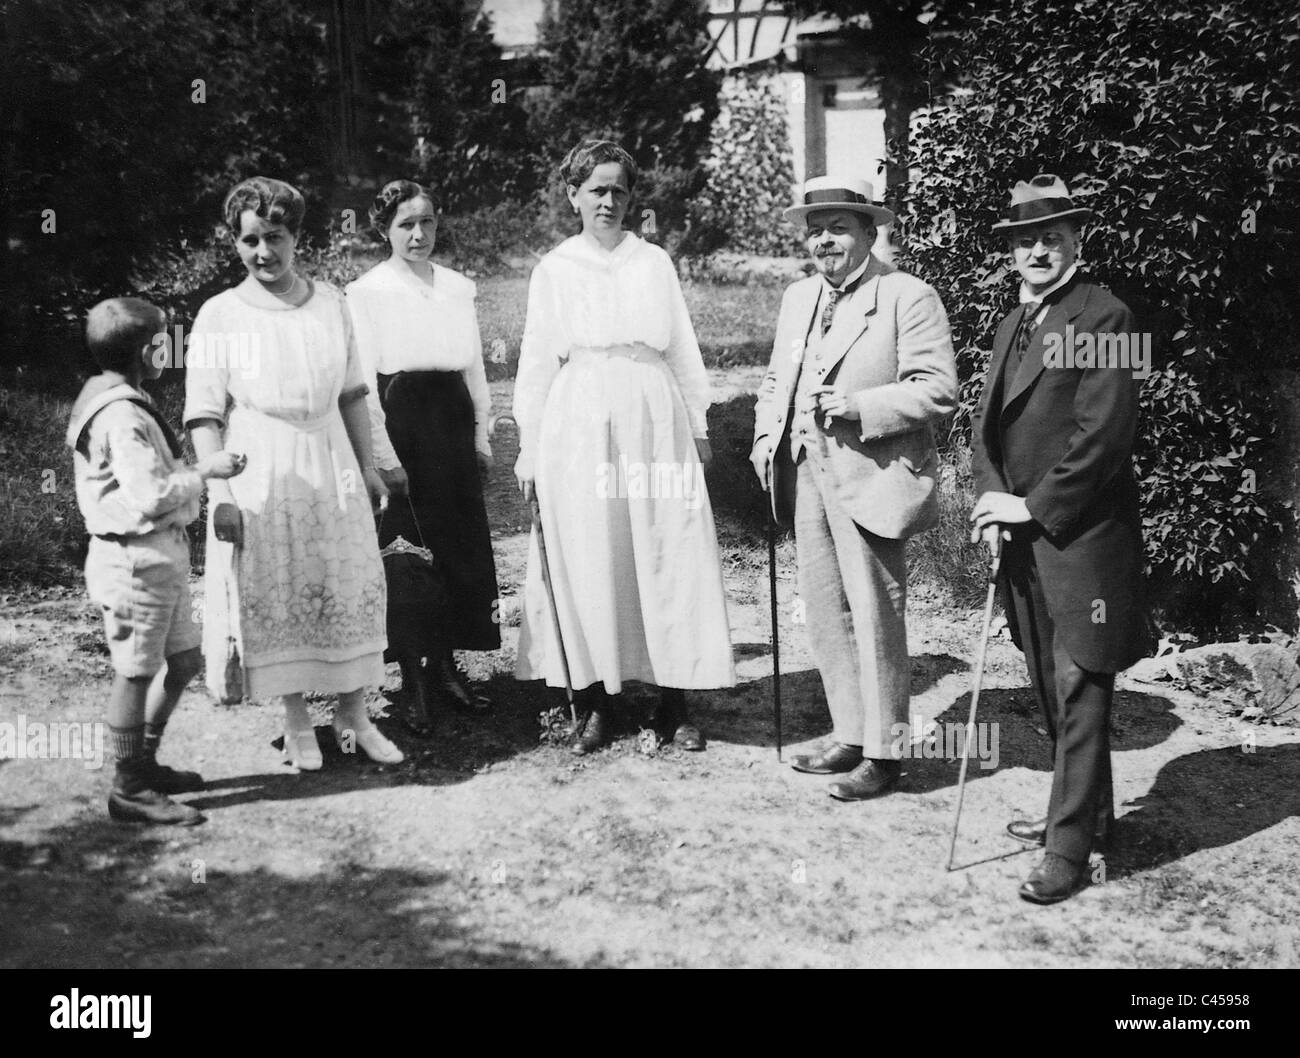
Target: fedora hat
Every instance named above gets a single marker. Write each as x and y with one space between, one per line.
838 192
1042 200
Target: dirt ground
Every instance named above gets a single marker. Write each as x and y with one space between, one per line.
493 846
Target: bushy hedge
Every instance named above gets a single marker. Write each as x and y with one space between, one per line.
449 111
1178 128
632 71
749 172
125 121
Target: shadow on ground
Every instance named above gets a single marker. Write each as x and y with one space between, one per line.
86 904
1206 800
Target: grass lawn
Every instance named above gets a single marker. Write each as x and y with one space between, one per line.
734 323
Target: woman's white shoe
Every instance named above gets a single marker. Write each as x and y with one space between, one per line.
371 742
302 750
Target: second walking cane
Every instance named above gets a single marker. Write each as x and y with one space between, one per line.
995 562
776 643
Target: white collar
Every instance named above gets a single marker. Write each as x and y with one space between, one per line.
850 279
1026 297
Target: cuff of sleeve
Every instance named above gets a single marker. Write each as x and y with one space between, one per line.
865 432
198 416
355 393
1054 526
481 442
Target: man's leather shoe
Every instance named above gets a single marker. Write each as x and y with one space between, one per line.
1034 831
833 760
869 779
595 733
1053 880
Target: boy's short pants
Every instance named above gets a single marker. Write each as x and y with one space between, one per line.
141 584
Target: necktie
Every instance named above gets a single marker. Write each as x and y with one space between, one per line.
828 312
1028 324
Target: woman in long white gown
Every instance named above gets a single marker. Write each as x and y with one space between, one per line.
293 573
610 398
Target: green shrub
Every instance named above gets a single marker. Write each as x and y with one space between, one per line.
632 71
40 526
127 121
750 173
450 113
943 559
1176 126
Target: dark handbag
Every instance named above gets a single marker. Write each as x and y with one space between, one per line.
416 585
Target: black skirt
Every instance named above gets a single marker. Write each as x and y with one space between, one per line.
431 424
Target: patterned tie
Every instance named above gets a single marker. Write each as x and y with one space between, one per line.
1028 325
828 312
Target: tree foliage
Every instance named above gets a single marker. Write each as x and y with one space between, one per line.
632 71
749 171
126 124
1178 127
449 113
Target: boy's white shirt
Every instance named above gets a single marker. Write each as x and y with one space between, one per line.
128 481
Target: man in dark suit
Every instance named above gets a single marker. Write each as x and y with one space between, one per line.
1053 440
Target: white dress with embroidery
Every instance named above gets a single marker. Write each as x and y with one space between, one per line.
629 533
307 599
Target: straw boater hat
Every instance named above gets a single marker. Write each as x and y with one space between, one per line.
1042 200
839 192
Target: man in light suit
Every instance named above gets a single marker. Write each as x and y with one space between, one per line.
862 369
1052 445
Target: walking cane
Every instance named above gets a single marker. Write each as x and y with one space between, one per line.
776 643
546 577
994 563
555 612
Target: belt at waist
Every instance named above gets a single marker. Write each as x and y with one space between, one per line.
320 422
140 538
633 351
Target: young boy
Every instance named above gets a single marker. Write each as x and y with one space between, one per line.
137 497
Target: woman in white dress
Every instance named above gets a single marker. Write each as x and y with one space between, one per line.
293 573
610 398
417 332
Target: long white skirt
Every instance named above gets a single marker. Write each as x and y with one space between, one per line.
629 536
304 597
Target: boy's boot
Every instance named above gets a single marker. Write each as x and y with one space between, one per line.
160 777
134 799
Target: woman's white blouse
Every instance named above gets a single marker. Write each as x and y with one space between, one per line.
404 324
582 295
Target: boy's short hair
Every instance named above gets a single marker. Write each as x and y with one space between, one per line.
118 328
273 200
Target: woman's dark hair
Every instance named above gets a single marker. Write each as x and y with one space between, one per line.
392 195
273 200
581 162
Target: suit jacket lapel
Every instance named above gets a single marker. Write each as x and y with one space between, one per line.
1061 312
803 314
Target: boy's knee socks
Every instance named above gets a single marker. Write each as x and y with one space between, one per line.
128 751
